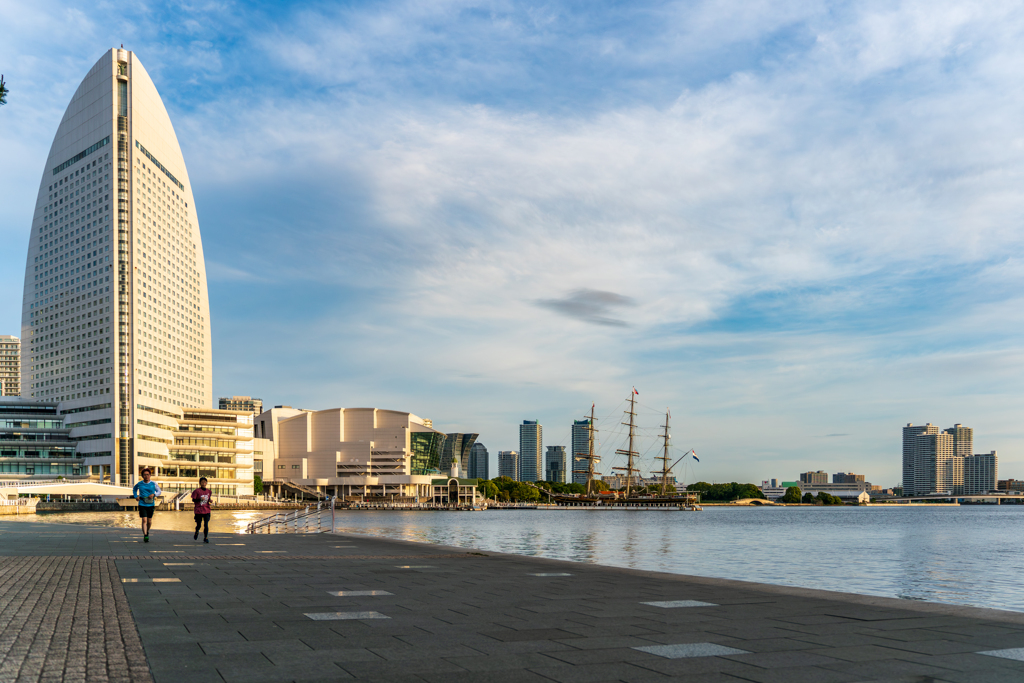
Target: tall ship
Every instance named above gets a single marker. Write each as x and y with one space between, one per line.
631 497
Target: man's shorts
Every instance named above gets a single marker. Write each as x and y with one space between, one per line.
203 518
146 511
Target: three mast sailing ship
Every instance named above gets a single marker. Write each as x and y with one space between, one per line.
629 498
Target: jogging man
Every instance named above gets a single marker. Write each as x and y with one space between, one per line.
146 492
201 497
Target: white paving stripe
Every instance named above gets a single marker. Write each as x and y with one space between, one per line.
415 566
338 616
680 603
681 650
348 594
552 574
150 580
1012 653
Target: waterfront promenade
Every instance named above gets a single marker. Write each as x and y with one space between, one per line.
90 603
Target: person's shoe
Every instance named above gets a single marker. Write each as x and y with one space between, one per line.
146 538
206 540
195 536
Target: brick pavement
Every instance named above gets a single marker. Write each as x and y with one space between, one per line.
323 607
66 619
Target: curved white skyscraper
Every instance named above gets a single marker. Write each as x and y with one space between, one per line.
115 322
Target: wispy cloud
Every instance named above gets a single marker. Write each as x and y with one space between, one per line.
794 214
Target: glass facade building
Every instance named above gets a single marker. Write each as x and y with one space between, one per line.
426 449
479 462
36 442
457 447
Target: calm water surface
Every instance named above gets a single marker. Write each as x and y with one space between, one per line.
971 555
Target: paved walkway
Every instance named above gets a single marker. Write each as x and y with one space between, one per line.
330 608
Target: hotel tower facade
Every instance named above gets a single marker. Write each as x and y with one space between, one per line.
115 320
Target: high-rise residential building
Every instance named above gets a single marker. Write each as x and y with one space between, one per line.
479 462
846 478
554 464
457 448
580 448
981 473
531 451
508 464
115 316
819 477
934 461
10 365
244 403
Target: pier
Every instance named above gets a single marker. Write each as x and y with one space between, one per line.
82 603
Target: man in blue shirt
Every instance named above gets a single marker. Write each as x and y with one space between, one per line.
146 492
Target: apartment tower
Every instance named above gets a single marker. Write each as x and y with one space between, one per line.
531 451
479 462
508 464
554 464
10 365
934 461
115 315
580 448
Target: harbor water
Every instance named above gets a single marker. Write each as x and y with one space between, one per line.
970 555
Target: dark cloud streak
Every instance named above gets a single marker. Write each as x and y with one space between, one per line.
590 306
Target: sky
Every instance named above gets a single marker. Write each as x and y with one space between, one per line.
796 225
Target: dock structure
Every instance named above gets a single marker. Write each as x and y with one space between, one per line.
81 603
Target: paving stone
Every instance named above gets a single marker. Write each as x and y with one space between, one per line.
236 614
680 650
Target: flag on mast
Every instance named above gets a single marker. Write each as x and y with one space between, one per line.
694 454
635 391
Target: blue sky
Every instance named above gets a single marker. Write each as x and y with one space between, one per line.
797 224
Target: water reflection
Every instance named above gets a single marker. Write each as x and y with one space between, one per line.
228 521
966 555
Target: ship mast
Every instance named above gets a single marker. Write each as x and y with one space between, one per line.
665 467
630 452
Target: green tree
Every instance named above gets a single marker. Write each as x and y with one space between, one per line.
599 486
257 484
828 499
488 489
792 495
808 498
725 492
3 90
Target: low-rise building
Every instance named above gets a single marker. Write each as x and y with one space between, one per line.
358 453
846 478
36 442
819 477
49 439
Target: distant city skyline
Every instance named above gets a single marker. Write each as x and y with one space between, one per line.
761 219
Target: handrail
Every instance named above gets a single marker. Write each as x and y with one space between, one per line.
280 522
51 482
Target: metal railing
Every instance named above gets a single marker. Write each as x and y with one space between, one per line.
308 521
51 482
